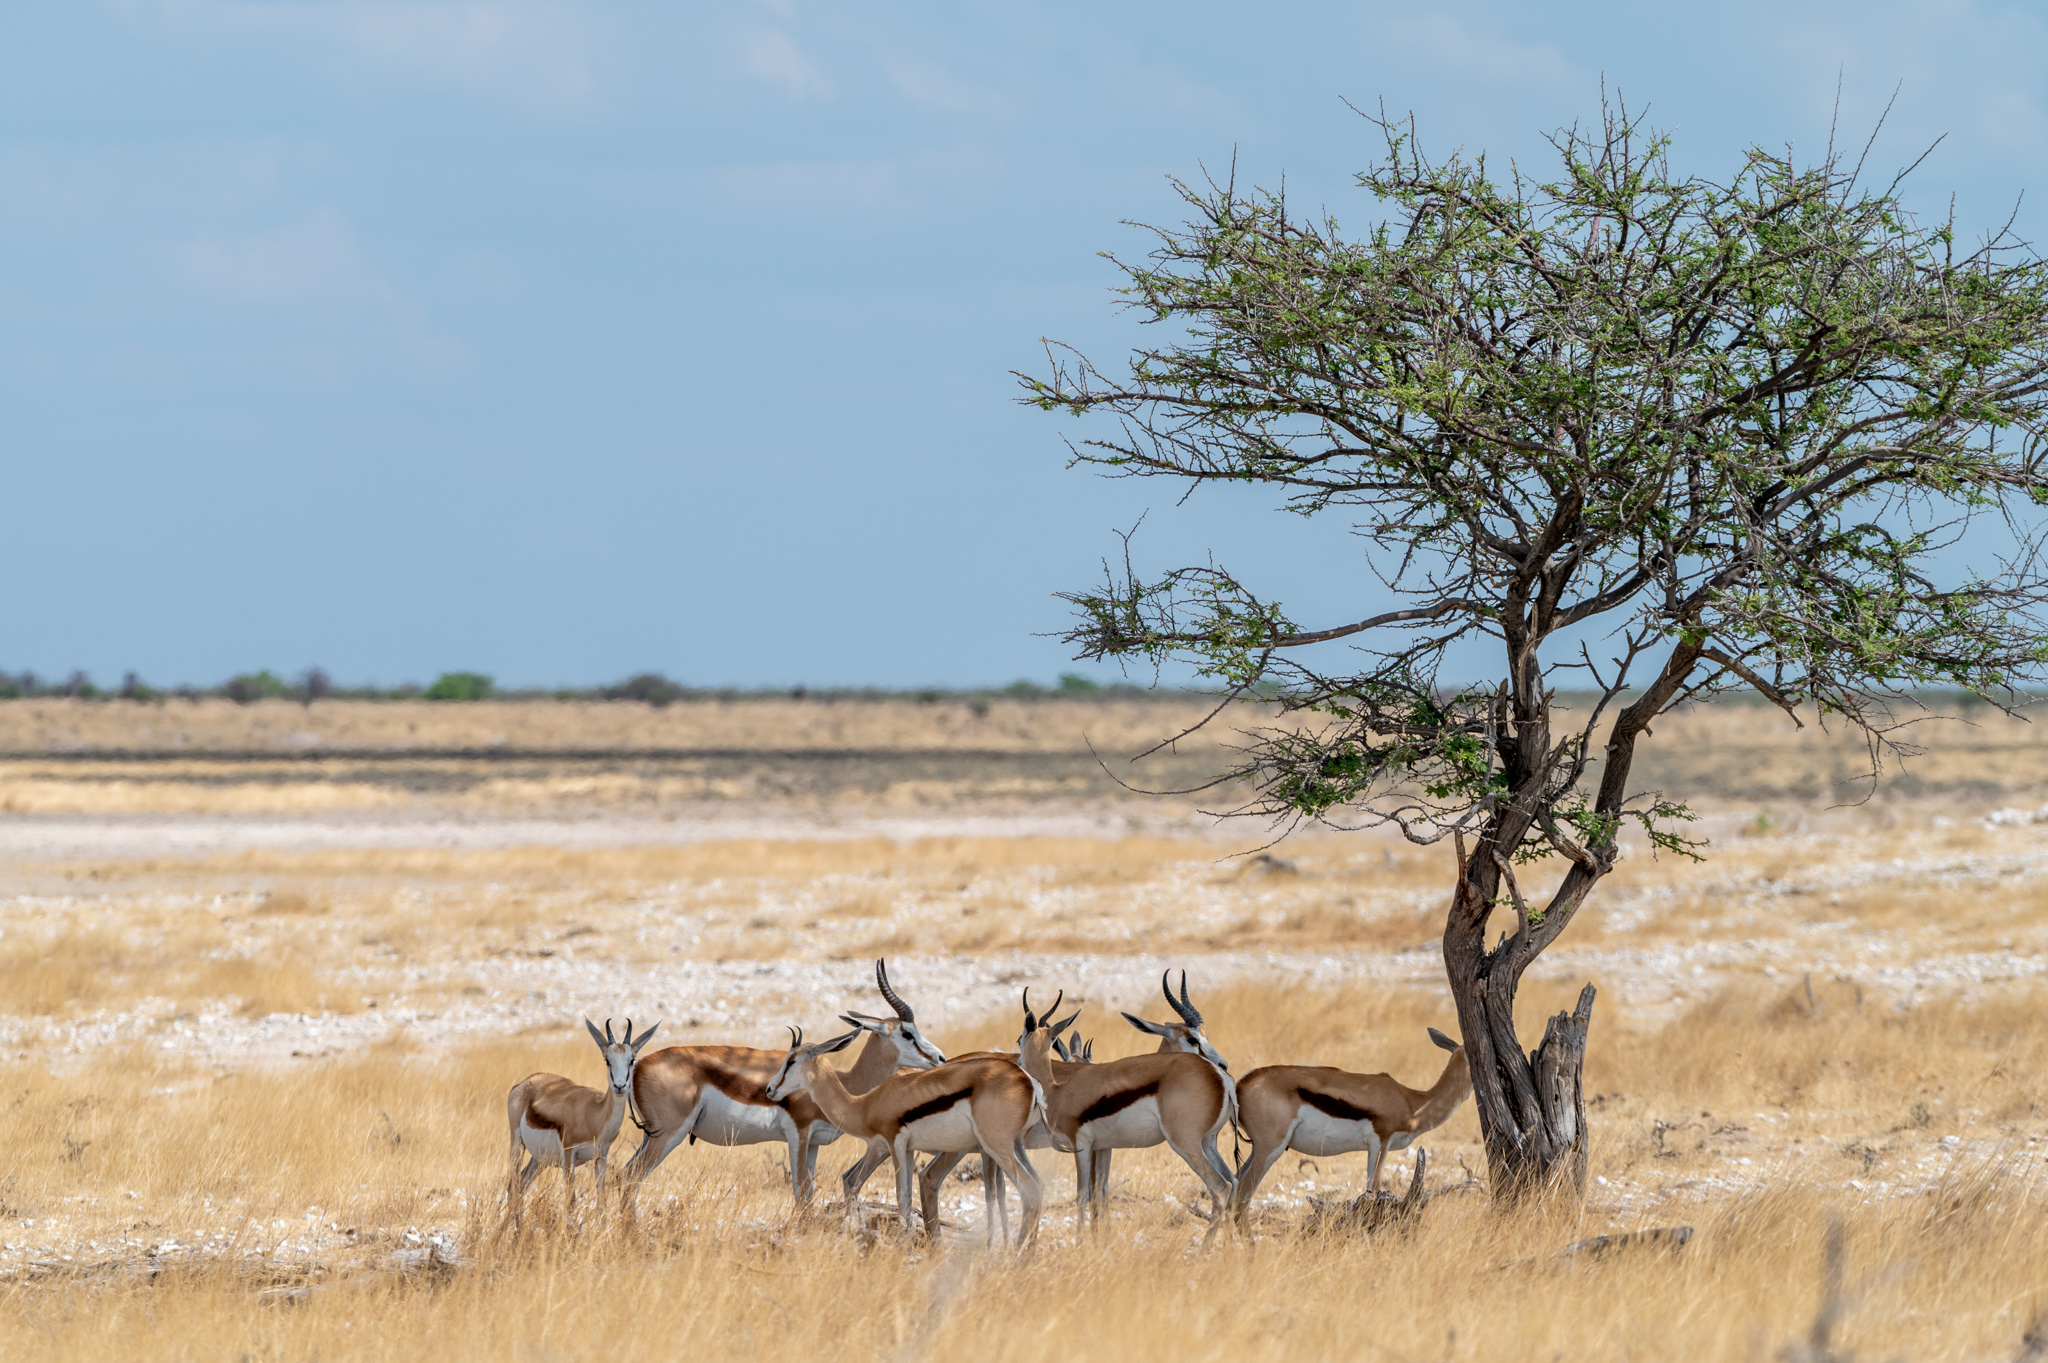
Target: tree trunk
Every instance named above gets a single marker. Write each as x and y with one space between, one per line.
1532 1107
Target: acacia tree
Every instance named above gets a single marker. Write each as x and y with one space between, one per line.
1643 436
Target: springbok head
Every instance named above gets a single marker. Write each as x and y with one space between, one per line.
619 1055
1042 1032
912 1050
790 1079
1185 1035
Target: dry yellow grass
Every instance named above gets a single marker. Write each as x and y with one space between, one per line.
228 1078
316 1178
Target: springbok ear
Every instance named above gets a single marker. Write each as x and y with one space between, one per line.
861 1024
595 1035
1440 1039
644 1038
1156 1029
1057 1027
837 1043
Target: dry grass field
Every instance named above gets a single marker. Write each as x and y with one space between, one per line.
253 1081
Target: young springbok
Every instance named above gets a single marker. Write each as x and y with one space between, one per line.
1322 1111
564 1124
719 1094
1170 1096
983 1104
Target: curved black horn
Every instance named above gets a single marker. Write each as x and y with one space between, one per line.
1179 1005
1030 1021
895 1000
796 1037
629 1031
608 1033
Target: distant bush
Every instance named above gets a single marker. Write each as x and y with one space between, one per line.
458 686
651 687
1074 684
250 686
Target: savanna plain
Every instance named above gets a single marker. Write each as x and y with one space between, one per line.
267 972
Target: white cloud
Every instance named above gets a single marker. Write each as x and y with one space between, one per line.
928 83
315 277
542 56
1977 72
773 57
895 189
1482 53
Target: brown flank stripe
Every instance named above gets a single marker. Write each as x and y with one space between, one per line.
933 1107
1111 1104
1334 1107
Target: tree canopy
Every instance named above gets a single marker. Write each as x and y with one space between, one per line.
1649 435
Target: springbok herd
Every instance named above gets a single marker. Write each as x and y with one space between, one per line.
902 1095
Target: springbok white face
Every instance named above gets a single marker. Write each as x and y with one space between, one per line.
912 1050
1185 1035
619 1055
789 1080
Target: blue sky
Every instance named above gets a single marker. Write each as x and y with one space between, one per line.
566 340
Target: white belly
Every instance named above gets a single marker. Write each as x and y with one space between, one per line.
721 1121
1318 1133
1133 1128
945 1132
546 1146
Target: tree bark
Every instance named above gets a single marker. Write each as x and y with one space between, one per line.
1532 1107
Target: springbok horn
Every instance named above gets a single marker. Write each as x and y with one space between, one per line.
1187 1010
1055 1007
629 1031
796 1038
895 1000
608 1033
1030 1022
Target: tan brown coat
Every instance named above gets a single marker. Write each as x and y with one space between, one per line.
1319 1111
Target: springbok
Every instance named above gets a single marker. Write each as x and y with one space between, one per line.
1133 1103
985 1104
719 1094
933 1175
1318 1110
565 1124
1186 1035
